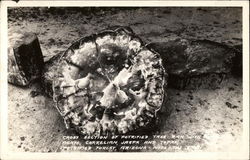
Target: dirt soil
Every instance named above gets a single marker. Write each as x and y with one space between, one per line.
213 115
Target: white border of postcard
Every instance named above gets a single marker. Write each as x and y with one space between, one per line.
6 154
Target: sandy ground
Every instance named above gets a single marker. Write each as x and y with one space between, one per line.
214 115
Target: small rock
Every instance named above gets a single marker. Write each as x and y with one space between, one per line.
193 120
89 17
34 93
235 106
51 40
236 21
207 119
22 138
236 84
191 97
177 110
229 105
201 102
194 108
215 22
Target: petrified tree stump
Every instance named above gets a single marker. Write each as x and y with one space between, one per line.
107 83
197 63
25 59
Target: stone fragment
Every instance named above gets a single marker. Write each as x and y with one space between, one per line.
25 59
196 63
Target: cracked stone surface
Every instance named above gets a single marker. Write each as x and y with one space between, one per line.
109 83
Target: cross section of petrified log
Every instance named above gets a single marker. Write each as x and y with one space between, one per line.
25 59
109 83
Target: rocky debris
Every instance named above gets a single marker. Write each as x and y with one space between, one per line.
197 63
25 59
229 105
